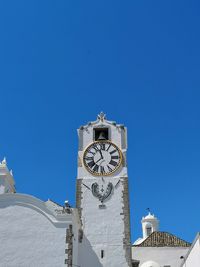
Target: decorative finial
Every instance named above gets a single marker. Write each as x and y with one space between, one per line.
101 116
4 161
148 209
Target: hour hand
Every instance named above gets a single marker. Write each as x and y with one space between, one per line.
99 160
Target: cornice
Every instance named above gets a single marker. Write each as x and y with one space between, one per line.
101 121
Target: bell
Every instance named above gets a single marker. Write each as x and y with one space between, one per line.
102 136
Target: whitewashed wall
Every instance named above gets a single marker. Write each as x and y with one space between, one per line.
103 229
30 234
193 257
161 255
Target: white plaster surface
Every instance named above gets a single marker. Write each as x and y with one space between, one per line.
103 228
161 255
29 236
193 257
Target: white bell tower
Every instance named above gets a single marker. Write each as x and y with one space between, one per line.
150 224
102 195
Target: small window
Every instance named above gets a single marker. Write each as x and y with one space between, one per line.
149 231
101 134
102 254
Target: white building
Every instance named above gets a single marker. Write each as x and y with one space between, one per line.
97 232
32 232
158 248
192 258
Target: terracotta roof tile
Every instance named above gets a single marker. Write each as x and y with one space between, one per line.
163 239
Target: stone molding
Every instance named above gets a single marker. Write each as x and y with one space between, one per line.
126 214
69 249
101 121
79 197
47 209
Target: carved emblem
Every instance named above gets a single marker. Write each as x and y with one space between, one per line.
102 193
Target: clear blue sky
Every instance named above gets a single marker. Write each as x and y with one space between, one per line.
62 62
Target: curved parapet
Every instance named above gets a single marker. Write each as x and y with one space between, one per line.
33 232
53 212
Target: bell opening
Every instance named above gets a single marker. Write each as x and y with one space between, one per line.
101 134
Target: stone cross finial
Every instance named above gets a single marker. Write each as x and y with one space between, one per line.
101 116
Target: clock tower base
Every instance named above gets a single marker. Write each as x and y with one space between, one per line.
104 244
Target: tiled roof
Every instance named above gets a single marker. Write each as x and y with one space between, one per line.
163 239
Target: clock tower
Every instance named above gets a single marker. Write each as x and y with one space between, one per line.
102 195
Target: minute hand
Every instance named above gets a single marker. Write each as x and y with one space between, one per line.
99 160
101 154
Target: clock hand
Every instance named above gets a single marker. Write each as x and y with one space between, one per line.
98 160
101 154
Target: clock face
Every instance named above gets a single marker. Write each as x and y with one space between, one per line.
102 158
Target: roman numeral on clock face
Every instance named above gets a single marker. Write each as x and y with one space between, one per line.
93 153
96 168
102 158
110 170
102 146
112 152
108 147
102 170
112 162
88 158
114 157
91 164
95 147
